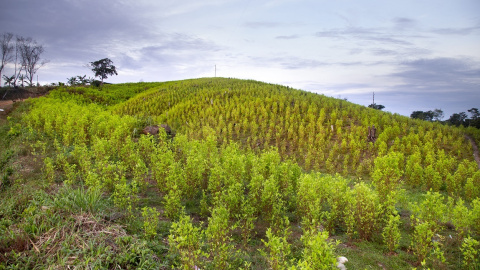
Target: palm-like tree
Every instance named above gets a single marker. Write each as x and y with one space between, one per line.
9 80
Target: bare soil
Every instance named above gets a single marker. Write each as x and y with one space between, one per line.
6 104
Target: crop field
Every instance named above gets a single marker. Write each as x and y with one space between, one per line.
246 175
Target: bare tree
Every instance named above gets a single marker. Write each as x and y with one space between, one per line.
30 57
6 49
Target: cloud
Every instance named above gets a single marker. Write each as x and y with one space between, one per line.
440 74
287 37
262 24
294 62
288 62
184 42
383 52
402 23
404 52
379 35
451 84
456 31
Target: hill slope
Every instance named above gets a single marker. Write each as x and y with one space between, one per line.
318 132
242 185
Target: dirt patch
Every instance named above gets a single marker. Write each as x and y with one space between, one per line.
6 104
475 149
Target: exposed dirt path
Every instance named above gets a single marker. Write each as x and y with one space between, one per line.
6 104
475 149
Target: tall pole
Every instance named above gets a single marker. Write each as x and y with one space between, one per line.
215 70
373 98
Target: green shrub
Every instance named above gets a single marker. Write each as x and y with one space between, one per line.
471 255
173 204
430 211
318 252
218 234
387 172
186 241
278 250
391 233
461 218
421 242
150 221
49 170
363 208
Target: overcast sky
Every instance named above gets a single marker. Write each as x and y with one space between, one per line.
415 55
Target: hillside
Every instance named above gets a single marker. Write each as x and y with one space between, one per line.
318 132
256 176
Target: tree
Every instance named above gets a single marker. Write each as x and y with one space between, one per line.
30 57
457 119
103 68
436 115
6 50
72 81
9 80
421 115
475 113
376 106
475 120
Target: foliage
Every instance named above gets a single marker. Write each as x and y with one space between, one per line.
431 211
219 241
471 256
150 221
391 233
103 68
186 240
376 106
319 252
387 173
247 170
421 240
436 115
362 212
173 205
278 249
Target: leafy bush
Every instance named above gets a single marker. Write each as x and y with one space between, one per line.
471 255
391 233
186 242
150 221
318 252
278 249
363 208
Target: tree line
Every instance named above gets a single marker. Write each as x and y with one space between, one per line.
26 56
455 119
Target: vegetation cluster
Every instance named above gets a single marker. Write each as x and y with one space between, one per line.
258 176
